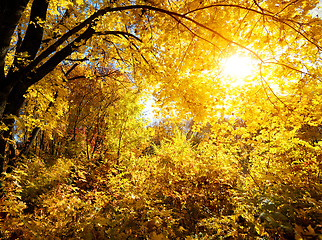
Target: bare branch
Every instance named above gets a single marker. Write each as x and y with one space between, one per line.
117 33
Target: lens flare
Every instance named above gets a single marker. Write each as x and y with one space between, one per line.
238 67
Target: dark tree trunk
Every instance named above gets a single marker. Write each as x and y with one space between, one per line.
13 106
14 85
10 14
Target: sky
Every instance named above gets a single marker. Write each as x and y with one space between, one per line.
318 10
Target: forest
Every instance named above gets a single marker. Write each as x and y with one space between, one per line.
160 119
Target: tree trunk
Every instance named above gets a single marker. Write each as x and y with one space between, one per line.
29 143
13 106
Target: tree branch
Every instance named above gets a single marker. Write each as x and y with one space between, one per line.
117 33
60 56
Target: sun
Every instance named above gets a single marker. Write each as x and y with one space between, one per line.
238 68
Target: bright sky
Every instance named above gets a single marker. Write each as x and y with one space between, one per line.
148 110
318 10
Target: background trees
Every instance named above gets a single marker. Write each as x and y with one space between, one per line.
95 114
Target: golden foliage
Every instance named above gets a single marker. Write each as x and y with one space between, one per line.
249 167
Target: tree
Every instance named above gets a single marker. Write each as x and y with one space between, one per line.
90 112
160 41
103 116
